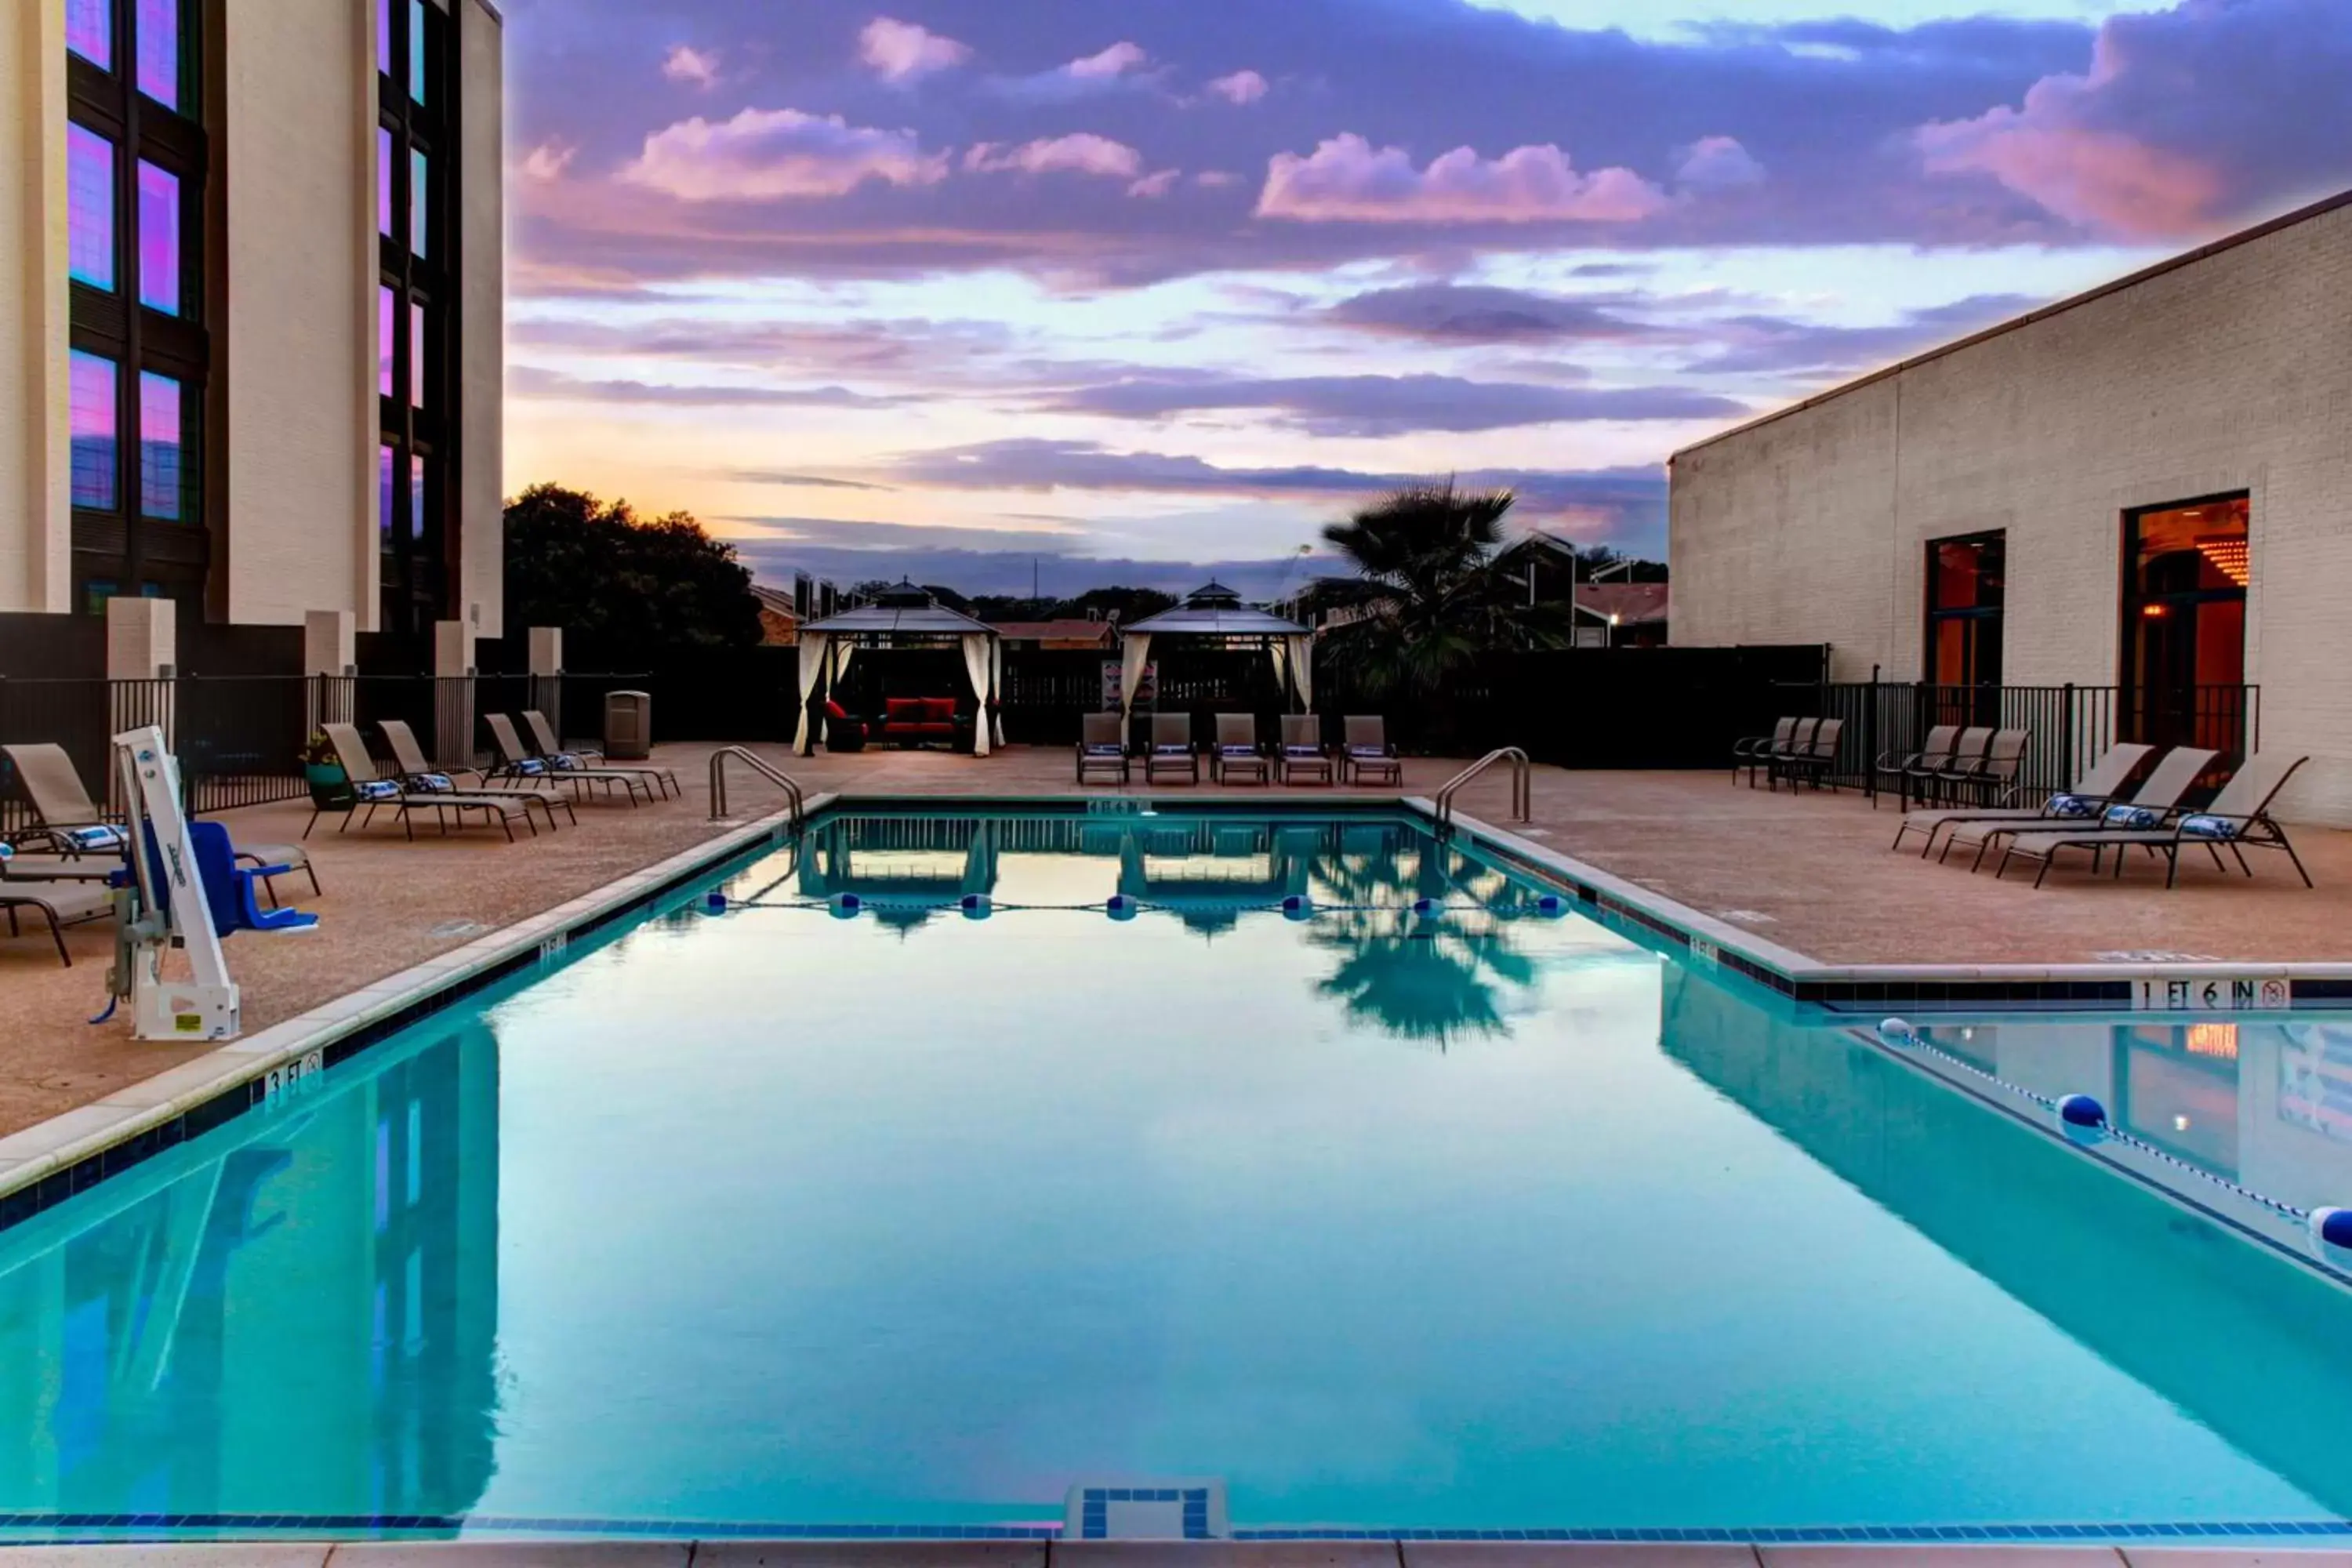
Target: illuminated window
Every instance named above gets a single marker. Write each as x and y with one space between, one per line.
383 37
161 484
158 44
89 31
158 239
384 215
2213 1040
416 355
417 73
91 419
1966 589
2185 568
418 206
90 208
387 342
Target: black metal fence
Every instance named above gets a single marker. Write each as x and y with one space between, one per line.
2066 727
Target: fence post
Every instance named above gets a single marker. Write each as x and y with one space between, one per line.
2066 746
453 694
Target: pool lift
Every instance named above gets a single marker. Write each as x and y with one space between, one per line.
162 906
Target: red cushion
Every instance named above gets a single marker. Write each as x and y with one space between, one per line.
940 710
902 709
834 710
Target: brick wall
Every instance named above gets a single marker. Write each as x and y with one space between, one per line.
2232 371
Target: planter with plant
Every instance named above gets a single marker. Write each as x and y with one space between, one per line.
330 787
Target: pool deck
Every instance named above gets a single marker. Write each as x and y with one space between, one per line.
1139 1555
1810 873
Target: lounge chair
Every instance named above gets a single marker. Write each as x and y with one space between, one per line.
1749 751
1237 750
1303 751
2238 818
2090 794
1815 761
1364 749
552 751
517 768
376 793
2152 805
418 774
1101 748
61 904
1934 754
1171 748
72 824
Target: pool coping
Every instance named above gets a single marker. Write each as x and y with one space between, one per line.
42 1165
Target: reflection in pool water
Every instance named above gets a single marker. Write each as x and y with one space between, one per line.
912 1218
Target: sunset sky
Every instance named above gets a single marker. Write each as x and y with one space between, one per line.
1127 289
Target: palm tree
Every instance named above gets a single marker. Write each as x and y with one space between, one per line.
1426 599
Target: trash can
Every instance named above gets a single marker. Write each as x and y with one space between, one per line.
628 725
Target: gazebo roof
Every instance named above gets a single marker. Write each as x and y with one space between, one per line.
1217 611
905 611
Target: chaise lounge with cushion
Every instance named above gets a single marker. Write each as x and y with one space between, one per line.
2238 819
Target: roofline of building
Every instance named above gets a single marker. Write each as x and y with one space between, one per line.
2133 280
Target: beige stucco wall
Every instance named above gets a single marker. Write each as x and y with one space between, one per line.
482 298
299 344
2234 372
34 499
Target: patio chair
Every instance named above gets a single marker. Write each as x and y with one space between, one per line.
2095 789
1101 747
60 904
1237 750
1934 754
1172 749
552 752
1364 749
72 824
517 768
2237 819
1930 781
1799 739
1749 751
1303 751
1985 777
374 792
418 775
1815 761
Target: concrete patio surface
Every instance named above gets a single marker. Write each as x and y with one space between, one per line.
1811 872
1135 1554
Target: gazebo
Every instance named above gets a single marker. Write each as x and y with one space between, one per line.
1216 614
905 616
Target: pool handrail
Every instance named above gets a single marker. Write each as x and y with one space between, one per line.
1522 784
773 774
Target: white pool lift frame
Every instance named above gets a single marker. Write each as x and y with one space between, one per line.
175 915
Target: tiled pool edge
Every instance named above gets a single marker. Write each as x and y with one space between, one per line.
1800 978
46 1163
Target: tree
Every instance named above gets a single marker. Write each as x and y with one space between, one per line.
1130 605
621 583
1426 599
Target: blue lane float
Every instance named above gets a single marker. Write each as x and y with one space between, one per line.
1895 1032
1297 907
1119 906
2332 1227
976 906
1551 906
714 902
845 906
2081 1119
1425 906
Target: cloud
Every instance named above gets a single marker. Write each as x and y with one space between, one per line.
766 155
1115 61
1154 185
1455 312
798 482
905 52
548 161
695 68
1718 163
539 384
1778 346
1216 179
1374 406
1346 179
2103 180
1080 152
1242 86
860 534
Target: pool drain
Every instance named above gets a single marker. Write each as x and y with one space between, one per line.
1147 1510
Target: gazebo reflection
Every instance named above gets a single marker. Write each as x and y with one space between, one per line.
906 868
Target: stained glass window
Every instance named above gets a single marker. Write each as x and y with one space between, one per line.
384 225
161 491
387 342
89 31
158 239
90 208
416 354
416 204
158 43
417 50
90 394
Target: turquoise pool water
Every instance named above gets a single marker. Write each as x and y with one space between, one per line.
1470 1219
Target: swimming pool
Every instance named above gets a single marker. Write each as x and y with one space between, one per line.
794 1219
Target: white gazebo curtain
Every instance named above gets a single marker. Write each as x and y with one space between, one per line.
814 646
994 710
1133 658
976 663
1293 664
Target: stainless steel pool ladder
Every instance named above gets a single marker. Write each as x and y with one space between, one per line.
1522 784
772 774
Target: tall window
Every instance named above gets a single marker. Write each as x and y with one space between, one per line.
2186 567
1965 592
136 156
417 319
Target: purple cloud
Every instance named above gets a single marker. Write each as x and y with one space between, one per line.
1363 406
769 154
905 52
1347 180
1455 312
1240 87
